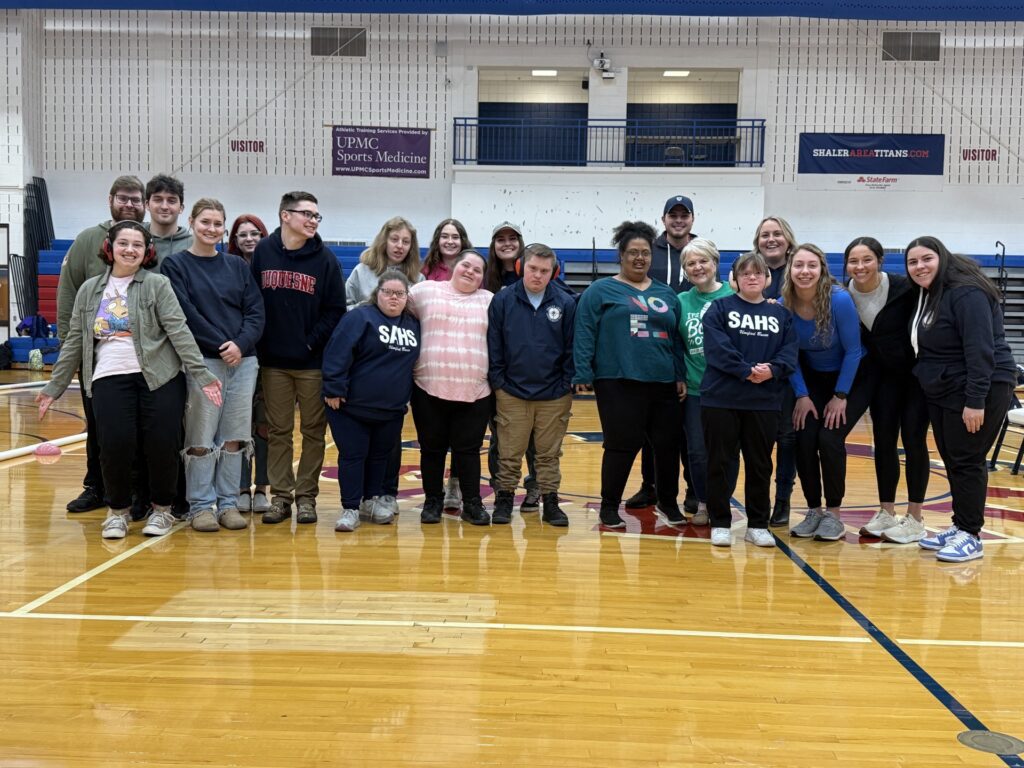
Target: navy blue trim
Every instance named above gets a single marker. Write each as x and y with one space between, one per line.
944 697
909 10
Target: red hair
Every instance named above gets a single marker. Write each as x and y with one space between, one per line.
245 218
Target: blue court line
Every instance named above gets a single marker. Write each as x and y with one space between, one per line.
933 686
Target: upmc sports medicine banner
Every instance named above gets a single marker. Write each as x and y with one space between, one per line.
395 152
876 153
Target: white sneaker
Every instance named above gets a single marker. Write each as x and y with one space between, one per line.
759 537
721 537
365 509
906 531
389 502
245 502
881 521
260 502
348 521
453 494
160 522
115 526
379 513
700 517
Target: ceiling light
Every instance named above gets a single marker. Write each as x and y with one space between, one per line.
676 73
545 73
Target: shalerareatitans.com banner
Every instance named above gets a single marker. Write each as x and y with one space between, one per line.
875 153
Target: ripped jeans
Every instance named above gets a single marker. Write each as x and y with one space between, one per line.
211 477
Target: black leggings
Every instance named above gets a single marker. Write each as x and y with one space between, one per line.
448 424
630 412
899 409
820 452
727 433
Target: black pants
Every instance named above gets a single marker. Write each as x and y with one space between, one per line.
727 433
126 409
394 467
632 412
899 409
447 424
93 469
785 440
965 455
647 458
820 452
365 447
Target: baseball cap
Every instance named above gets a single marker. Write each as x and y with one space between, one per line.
682 200
507 225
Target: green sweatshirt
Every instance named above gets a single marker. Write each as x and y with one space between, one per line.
692 306
81 262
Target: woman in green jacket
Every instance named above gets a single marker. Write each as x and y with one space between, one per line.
130 338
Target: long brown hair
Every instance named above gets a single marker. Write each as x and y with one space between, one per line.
822 301
376 256
434 252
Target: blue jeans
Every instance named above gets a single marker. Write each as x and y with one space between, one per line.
212 477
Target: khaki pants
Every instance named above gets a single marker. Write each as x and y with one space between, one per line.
516 419
281 389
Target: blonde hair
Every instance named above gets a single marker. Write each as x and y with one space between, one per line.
204 203
822 301
376 256
702 247
787 232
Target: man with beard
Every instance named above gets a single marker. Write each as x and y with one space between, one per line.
82 262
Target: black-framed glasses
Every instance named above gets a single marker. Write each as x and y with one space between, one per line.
396 293
310 215
125 200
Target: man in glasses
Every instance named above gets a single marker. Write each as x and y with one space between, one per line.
165 201
304 298
82 262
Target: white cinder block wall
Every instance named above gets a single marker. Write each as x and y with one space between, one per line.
143 92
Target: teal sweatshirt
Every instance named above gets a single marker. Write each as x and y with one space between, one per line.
692 306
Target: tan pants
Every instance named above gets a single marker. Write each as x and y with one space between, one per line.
516 419
281 389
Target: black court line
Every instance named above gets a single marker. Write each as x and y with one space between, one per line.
933 686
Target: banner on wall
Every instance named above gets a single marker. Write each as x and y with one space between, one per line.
876 154
392 152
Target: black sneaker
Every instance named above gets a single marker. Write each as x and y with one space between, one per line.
610 517
503 508
690 502
532 501
473 512
670 515
780 514
553 514
279 512
432 508
88 500
645 497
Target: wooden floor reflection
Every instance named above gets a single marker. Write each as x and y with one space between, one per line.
521 645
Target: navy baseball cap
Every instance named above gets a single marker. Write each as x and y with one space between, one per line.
682 200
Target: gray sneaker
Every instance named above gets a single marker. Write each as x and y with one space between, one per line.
380 514
806 529
306 513
365 509
389 503
830 528
232 520
453 494
161 521
347 521
532 501
116 524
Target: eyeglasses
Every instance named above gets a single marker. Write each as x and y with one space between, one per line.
249 235
638 254
125 200
398 294
310 215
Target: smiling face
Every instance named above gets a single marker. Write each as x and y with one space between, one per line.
127 205
750 283
772 242
922 265
468 274
678 223
165 208
301 220
701 270
398 244
863 266
635 260
247 238
392 298
129 248
506 247
449 242
208 226
805 270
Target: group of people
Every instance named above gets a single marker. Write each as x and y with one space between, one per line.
192 358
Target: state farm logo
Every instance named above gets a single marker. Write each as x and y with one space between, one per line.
877 180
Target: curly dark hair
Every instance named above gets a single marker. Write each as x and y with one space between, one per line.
107 247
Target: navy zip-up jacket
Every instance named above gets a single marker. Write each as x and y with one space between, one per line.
303 296
369 362
530 350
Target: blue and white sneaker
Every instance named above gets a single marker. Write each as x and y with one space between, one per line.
938 540
962 547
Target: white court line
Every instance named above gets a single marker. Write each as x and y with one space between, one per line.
107 565
459 625
963 643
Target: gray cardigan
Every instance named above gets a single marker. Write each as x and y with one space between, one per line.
163 342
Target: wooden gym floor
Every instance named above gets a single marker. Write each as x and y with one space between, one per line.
522 645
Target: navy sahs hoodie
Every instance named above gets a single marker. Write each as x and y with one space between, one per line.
304 297
369 362
737 336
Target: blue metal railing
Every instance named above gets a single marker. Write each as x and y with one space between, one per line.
653 143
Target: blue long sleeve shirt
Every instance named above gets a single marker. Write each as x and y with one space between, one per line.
840 351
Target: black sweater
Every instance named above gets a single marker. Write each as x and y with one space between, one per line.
888 341
964 350
304 297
